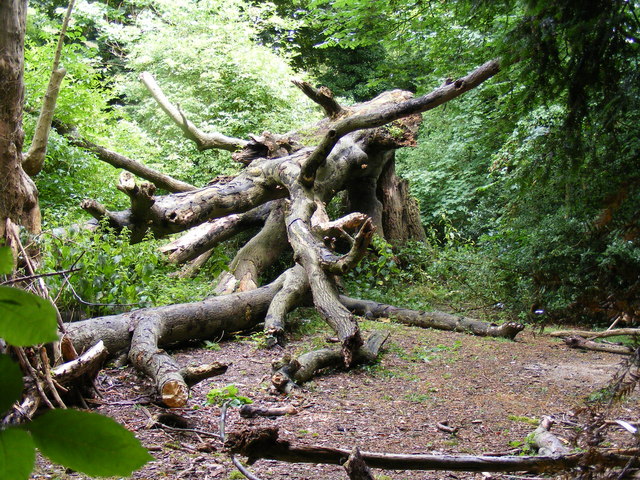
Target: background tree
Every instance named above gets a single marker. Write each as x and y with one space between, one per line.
19 198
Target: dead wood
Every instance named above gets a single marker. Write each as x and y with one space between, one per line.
354 148
322 96
591 335
445 427
87 364
437 320
546 442
356 468
292 373
251 410
293 293
195 374
203 238
202 140
256 444
576 341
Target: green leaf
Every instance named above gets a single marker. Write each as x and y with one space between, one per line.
17 454
88 442
12 385
25 318
6 260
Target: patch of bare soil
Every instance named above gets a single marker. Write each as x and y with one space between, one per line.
493 391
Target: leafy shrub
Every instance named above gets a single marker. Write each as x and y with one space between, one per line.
114 275
230 394
88 442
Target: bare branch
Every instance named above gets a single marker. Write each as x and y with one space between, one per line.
33 160
203 141
322 96
385 115
117 160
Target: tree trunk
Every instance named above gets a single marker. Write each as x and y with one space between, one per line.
400 211
19 196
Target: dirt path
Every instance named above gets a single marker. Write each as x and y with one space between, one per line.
493 391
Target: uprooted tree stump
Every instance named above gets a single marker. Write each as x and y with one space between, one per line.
283 189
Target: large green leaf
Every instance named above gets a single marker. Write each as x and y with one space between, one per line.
12 385
88 442
6 260
17 454
25 318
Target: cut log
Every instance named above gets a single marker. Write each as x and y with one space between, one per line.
256 444
576 341
437 320
295 372
194 375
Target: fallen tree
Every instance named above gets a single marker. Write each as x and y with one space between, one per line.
263 443
284 189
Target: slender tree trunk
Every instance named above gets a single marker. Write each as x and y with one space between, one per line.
18 196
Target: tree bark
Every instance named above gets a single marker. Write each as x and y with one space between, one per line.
437 320
400 211
34 159
302 369
264 444
576 341
19 196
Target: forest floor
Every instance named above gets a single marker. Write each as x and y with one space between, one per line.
493 391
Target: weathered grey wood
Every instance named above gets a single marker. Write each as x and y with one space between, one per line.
302 369
437 320
576 341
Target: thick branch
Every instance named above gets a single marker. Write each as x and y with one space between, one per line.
117 160
261 251
322 96
385 115
292 294
264 444
157 364
437 320
33 160
209 318
202 140
306 366
204 237
89 362
577 341
591 335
